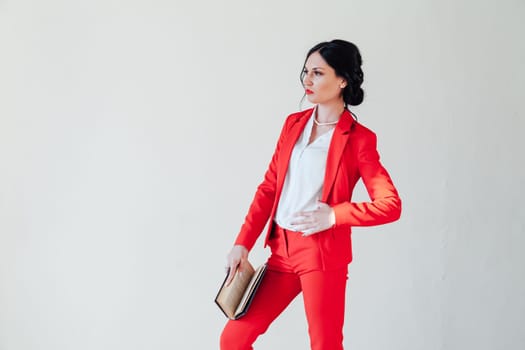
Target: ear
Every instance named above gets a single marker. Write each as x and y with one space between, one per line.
343 84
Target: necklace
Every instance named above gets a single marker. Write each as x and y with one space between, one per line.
323 124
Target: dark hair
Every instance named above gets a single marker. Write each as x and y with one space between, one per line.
345 59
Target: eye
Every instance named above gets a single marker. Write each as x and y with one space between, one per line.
317 73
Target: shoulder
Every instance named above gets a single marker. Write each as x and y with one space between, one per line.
360 129
294 118
298 116
363 136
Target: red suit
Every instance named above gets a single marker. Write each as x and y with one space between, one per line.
311 264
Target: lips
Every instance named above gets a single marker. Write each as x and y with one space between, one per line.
308 92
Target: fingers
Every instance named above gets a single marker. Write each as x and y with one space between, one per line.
321 206
309 226
305 227
309 232
304 221
229 279
298 224
310 222
231 272
237 256
305 214
303 218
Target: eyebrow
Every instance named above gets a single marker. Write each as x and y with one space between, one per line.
315 68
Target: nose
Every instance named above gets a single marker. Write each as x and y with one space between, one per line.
307 79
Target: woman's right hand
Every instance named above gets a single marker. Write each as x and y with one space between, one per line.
237 256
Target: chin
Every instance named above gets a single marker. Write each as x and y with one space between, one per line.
311 99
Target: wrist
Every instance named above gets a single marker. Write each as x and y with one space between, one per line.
241 249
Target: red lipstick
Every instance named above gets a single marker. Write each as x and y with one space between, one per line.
308 92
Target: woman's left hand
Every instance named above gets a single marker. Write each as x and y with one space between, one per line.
314 221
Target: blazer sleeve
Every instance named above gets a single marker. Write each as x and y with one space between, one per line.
385 204
262 203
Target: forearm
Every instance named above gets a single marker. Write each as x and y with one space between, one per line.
378 212
257 217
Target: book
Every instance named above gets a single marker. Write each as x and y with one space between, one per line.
235 299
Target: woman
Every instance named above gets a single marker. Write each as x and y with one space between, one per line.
306 194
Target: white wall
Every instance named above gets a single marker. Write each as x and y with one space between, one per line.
133 135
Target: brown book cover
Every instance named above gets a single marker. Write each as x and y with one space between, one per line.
235 299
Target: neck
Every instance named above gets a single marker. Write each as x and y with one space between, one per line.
327 113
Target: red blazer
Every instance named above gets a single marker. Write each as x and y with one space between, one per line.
352 155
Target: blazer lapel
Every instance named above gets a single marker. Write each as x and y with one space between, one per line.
286 152
335 152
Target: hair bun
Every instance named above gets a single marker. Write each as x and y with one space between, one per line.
353 95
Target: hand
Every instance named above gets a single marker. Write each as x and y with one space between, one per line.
310 222
237 256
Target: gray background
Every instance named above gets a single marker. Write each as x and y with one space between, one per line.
133 135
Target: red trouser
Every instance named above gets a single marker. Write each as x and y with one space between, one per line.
294 266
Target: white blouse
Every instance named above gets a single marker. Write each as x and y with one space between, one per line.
303 184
